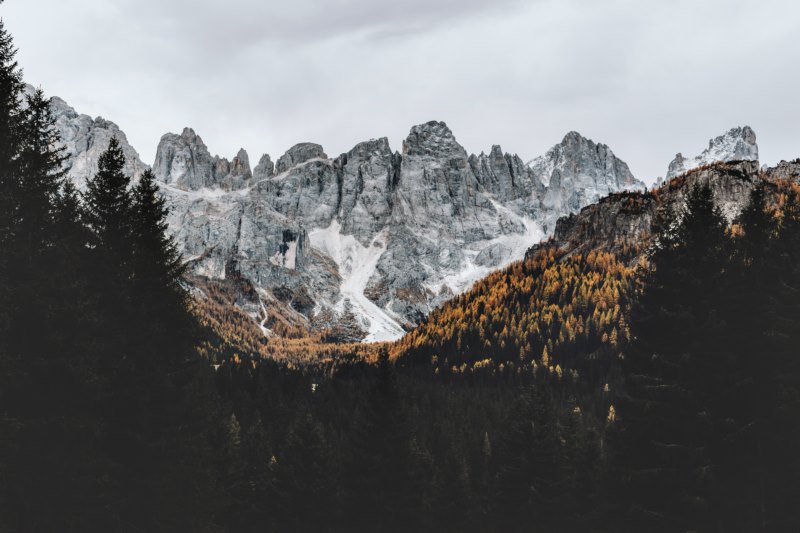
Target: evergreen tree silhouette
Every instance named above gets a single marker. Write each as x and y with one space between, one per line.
109 214
31 248
10 116
675 371
157 271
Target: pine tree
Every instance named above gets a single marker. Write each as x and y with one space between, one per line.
157 270
11 87
32 265
109 215
676 369
41 174
10 115
109 209
758 225
530 458
386 470
74 328
253 495
305 476
158 266
768 448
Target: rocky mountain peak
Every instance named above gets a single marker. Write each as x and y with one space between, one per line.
578 172
433 138
297 154
496 152
736 144
575 138
240 165
189 134
365 149
86 138
184 161
264 169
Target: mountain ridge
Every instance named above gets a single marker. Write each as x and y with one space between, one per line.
326 241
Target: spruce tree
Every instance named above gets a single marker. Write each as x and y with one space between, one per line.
41 174
109 215
109 206
745 397
529 458
74 329
10 115
305 476
385 470
157 266
775 411
252 495
758 227
675 371
11 87
31 247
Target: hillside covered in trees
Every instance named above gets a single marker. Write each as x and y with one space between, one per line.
643 379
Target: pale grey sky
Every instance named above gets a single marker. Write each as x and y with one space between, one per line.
649 78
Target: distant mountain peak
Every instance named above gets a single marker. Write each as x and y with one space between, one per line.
432 138
578 172
736 144
298 154
85 138
184 162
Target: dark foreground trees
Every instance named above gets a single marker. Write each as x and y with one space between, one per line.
99 398
709 412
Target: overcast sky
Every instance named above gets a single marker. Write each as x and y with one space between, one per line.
647 77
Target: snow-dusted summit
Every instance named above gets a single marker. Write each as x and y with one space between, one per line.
578 172
737 144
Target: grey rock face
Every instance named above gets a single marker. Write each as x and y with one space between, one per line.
299 153
368 178
626 218
372 240
578 172
184 162
85 138
237 174
264 169
786 170
737 144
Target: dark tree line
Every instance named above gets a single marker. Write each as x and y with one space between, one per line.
97 371
710 411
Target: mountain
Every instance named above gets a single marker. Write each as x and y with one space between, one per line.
332 237
326 242
184 162
737 144
623 221
578 172
571 294
85 138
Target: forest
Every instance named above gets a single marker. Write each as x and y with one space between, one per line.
586 392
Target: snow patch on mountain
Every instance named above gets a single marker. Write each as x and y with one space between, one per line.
356 264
